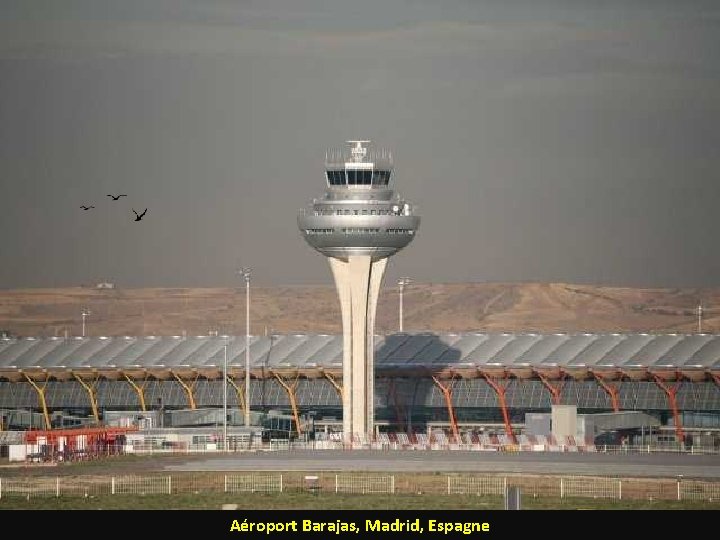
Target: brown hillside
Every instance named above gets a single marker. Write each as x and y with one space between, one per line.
495 307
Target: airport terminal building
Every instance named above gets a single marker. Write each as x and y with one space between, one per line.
459 382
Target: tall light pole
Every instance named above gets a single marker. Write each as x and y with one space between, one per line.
401 286
225 444
699 314
245 273
85 313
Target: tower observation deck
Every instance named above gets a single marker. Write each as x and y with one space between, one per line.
359 214
358 224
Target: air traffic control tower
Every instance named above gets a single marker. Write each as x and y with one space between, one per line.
358 224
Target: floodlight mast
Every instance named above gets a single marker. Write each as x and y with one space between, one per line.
700 314
225 425
402 282
85 313
245 273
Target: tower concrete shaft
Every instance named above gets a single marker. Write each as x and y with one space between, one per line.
358 283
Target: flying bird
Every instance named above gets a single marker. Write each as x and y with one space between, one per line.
115 198
87 207
138 217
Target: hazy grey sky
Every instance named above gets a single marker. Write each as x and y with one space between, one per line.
543 140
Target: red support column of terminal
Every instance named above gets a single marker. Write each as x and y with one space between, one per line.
555 391
188 389
41 399
671 392
447 392
91 389
139 389
612 391
337 386
500 391
239 392
290 389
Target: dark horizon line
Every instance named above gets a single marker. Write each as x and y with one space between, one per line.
330 284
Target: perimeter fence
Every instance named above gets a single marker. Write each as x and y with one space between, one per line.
361 483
